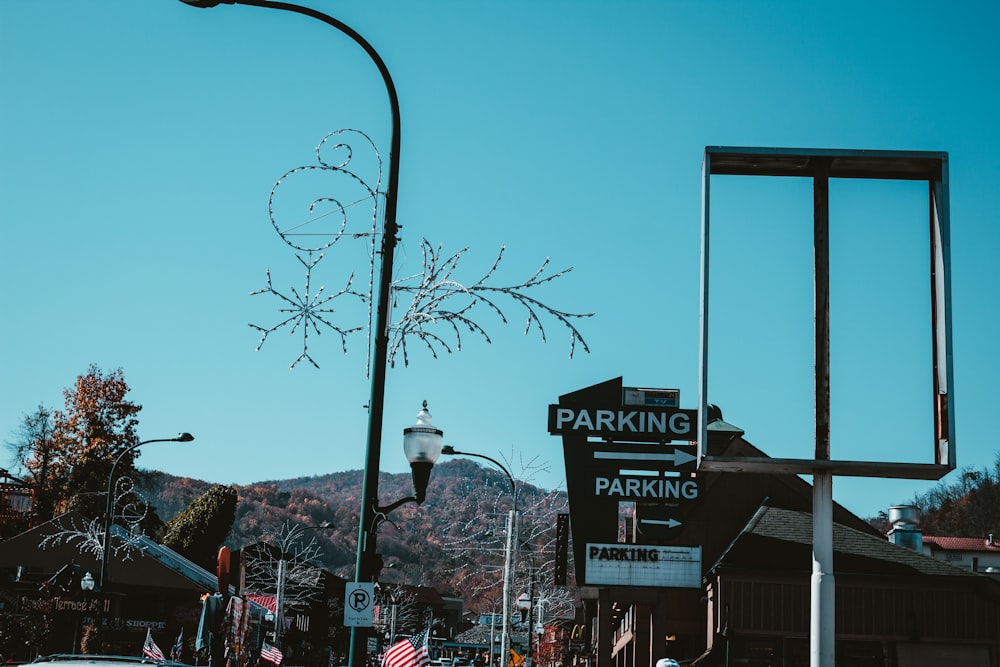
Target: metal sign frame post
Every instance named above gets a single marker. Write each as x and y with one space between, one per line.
821 165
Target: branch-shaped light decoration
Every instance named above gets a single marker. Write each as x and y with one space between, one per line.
88 535
440 305
435 290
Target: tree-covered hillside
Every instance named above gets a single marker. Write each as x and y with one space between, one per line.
453 541
966 506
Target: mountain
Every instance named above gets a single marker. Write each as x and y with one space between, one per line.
453 542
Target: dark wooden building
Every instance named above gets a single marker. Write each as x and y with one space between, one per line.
150 587
894 607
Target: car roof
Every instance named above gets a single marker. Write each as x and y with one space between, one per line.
103 660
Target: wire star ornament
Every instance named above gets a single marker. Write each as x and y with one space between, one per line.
440 306
307 311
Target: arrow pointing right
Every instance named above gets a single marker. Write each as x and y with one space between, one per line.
678 457
669 523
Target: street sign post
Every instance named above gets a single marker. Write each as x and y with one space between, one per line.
631 446
359 605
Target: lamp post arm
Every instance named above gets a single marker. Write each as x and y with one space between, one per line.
510 548
380 514
448 449
109 499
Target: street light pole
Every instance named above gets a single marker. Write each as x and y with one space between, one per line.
367 556
510 548
109 506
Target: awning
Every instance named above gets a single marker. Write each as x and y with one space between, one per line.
268 602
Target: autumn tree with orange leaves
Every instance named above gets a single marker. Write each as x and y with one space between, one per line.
68 453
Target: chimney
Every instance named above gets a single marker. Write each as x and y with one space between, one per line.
905 530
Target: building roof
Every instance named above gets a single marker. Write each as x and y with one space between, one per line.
738 446
779 539
963 543
47 548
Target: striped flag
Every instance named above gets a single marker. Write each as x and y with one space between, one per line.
270 653
178 648
410 652
150 649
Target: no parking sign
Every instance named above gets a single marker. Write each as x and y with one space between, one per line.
359 605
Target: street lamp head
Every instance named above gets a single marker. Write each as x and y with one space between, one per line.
422 444
523 604
206 3
184 437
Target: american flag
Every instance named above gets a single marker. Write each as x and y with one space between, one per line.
150 649
178 648
410 652
270 653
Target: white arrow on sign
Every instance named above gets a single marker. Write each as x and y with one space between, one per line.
669 523
677 458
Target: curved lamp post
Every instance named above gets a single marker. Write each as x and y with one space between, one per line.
509 555
109 508
367 557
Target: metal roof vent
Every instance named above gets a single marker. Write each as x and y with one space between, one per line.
905 520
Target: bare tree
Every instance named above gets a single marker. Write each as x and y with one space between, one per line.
479 545
281 565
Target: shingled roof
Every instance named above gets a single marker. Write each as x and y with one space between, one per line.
777 539
962 543
150 565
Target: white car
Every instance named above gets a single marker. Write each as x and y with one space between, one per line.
97 660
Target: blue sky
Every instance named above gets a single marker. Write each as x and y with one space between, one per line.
139 142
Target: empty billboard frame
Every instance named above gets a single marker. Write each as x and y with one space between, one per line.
821 165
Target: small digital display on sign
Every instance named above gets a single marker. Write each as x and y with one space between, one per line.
664 398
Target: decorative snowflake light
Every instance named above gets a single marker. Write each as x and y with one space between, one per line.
307 311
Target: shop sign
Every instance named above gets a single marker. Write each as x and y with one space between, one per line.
91 605
643 565
139 624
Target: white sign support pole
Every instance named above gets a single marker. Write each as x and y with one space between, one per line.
508 566
821 623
